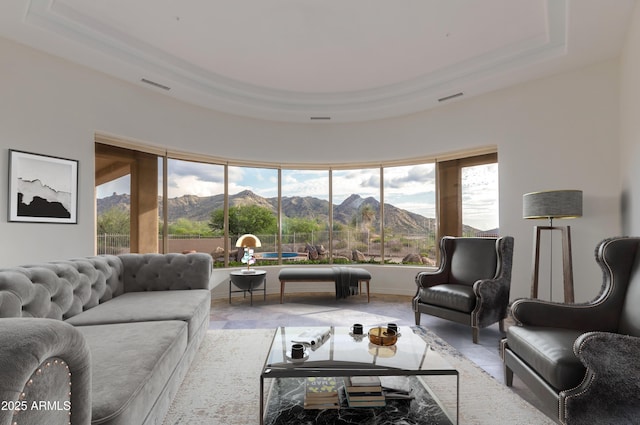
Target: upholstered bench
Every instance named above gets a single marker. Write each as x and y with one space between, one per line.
348 280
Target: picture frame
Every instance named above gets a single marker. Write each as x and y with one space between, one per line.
42 188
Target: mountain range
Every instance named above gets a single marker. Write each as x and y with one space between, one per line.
199 208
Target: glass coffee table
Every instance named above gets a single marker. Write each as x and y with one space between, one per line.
410 362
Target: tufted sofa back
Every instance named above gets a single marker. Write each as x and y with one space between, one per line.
61 289
162 272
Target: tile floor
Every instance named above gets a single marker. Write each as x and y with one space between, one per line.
318 309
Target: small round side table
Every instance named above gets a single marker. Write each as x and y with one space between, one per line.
248 281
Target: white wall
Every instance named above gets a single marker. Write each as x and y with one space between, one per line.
630 127
386 280
560 132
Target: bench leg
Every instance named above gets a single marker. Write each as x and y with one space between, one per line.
281 291
360 289
368 294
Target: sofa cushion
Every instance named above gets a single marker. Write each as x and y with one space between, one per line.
191 306
131 363
549 351
453 296
306 273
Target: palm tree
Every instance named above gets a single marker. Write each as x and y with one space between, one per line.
368 214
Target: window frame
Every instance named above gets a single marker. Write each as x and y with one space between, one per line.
448 167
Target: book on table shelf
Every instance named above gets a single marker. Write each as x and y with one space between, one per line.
321 393
364 391
366 396
396 394
372 403
361 381
363 384
368 400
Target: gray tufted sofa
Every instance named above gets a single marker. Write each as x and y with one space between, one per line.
100 340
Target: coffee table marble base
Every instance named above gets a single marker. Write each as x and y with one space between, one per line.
286 397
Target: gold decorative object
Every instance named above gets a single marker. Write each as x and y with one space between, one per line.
381 351
382 336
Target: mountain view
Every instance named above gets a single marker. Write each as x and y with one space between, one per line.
199 208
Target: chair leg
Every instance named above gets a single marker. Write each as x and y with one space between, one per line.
501 325
508 376
417 318
476 334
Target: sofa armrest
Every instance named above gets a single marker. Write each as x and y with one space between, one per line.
535 312
45 374
609 391
162 272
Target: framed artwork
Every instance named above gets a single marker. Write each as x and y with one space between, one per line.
42 189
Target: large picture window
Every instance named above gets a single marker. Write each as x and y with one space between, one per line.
253 205
391 214
410 214
480 199
356 214
189 226
305 215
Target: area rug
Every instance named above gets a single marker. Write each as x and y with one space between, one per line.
222 386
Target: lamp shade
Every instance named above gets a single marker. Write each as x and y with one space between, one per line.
248 240
552 204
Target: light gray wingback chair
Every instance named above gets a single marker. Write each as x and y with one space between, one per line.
472 284
583 360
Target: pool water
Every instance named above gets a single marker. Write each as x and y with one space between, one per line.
275 254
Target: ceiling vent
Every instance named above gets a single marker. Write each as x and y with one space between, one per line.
453 96
153 83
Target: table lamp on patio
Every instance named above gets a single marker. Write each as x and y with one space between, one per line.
552 204
248 242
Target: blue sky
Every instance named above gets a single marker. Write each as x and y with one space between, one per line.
408 187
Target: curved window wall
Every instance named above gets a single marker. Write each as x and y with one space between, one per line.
384 213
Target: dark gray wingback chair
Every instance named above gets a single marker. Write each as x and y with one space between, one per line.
583 360
472 284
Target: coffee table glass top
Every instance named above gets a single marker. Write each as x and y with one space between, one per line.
341 352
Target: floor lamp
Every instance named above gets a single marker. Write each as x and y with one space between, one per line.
553 204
